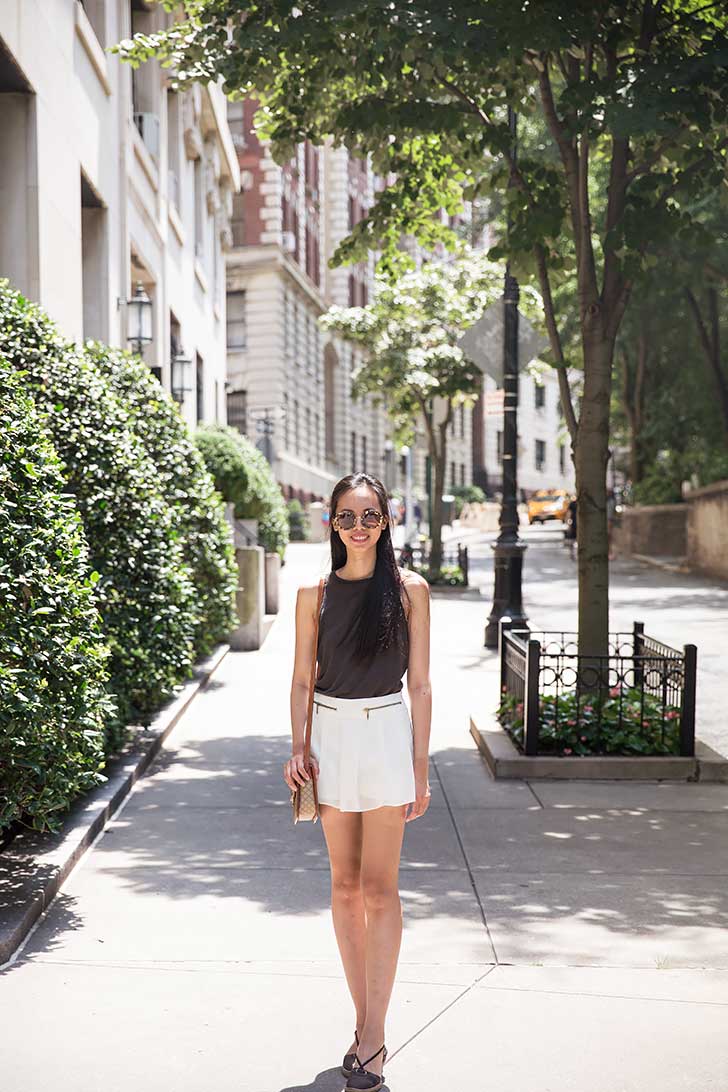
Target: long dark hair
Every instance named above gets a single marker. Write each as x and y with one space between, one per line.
382 619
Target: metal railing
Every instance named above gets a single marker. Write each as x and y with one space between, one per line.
411 555
641 687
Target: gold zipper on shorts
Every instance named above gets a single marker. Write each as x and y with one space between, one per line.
317 703
371 708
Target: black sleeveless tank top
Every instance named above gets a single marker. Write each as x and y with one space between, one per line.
340 675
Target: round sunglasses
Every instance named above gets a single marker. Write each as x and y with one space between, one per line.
346 520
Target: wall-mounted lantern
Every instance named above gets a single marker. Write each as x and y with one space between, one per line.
138 319
181 366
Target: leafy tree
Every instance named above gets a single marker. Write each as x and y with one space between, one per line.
410 332
243 476
53 659
636 91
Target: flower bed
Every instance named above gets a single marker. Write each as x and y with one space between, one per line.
626 722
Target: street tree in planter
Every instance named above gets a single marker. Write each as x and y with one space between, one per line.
410 332
424 90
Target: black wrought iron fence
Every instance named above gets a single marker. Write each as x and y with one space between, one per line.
417 555
638 699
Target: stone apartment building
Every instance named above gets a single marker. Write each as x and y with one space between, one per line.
109 180
289 382
544 451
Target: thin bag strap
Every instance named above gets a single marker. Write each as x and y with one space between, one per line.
309 716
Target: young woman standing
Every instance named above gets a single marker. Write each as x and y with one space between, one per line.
369 757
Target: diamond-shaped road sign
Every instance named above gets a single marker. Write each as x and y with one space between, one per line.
483 342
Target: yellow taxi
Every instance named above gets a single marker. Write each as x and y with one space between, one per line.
548 504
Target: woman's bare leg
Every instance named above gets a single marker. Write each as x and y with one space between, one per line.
343 833
382 833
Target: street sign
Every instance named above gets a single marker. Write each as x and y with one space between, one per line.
493 402
483 342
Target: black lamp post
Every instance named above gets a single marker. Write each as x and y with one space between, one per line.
508 548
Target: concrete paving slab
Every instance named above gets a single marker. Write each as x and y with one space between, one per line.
619 921
189 1029
550 1043
592 841
150 833
690 986
467 784
637 797
177 911
199 782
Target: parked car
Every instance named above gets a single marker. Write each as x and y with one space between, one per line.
549 504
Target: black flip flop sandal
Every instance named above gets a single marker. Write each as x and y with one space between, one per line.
362 1079
348 1064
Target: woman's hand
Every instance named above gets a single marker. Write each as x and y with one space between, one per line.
294 771
422 798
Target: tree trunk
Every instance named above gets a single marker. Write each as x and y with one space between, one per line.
439 465
592 453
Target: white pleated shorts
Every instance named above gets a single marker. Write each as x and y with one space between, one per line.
365 751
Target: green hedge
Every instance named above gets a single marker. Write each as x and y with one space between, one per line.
205 534
145 594
53 674
244 477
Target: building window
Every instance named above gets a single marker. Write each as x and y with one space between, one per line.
562 459
296 427
353 453
174 137
540 454
237 222
94 262
540 395
462 420
200 384
308 433
96 15
237 411
462 473
236 327
329 380
499 446
452 475
364 452
199 210
145 84
285 419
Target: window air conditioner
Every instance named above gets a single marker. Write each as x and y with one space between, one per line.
148 126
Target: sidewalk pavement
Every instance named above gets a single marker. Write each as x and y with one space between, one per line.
557 937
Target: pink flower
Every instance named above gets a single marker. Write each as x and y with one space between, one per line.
583 739
571 723
504 689
519 708
672 714
588 708
615 692
567 750
645 724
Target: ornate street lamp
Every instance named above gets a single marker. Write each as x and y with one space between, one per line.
509 548
139 319
181 366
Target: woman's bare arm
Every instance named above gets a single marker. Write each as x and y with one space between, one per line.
305 619
418 668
